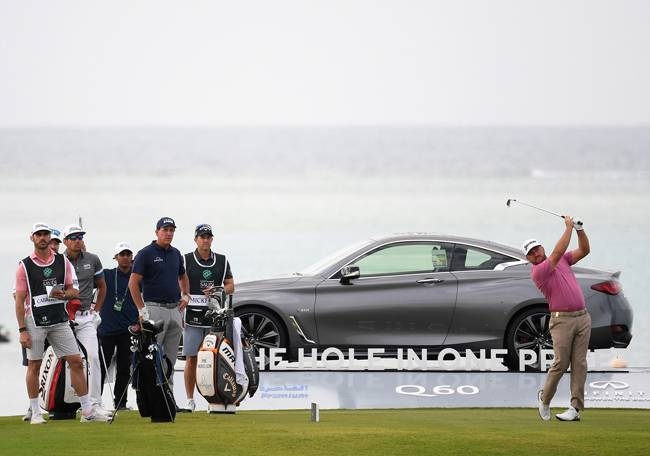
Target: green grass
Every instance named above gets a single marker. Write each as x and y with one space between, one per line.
377 432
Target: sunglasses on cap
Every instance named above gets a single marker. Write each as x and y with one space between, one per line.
75 237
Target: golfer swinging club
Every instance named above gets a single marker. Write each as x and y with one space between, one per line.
570 324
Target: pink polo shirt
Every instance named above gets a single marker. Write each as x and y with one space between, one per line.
21 276
559 285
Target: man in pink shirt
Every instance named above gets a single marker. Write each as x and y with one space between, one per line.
44 282
570 323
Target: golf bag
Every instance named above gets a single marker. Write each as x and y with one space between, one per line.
226 369
55 392
151 370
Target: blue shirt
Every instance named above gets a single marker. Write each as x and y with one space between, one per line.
113 321
160 269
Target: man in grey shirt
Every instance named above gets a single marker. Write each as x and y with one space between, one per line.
90 275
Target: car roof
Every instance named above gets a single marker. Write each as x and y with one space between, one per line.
427 236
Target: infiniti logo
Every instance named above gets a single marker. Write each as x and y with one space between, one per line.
609 384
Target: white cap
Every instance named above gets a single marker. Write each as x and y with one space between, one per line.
40 226
121 247
72 229
530 244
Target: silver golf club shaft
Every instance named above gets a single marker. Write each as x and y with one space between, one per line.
534 207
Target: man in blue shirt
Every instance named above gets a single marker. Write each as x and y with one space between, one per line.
118 313
159 269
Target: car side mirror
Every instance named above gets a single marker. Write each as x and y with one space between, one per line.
348 273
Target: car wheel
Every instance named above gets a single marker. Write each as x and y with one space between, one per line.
263 330
528 330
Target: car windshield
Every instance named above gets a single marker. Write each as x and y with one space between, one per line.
335 257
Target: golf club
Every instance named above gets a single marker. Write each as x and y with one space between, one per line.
511 200
102 359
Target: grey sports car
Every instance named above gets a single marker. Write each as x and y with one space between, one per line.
420 290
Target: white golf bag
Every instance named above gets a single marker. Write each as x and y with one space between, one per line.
224 371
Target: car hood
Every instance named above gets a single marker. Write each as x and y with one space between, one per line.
266 284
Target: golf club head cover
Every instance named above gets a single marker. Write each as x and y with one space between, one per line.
71 307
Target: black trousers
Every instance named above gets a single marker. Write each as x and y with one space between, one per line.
120 345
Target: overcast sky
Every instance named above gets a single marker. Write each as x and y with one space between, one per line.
266 62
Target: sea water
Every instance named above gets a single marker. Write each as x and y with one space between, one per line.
281 198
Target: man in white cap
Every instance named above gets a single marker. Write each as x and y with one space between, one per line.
570 323
118 313
90 275
55 242
44 282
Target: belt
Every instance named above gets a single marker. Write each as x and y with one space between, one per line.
167 305
83 313
576 313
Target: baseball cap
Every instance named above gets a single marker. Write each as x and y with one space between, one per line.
203 228
165 221
530 244
121 247
72 229
40 226
56 234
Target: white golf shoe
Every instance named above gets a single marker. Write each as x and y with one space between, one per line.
571 414
37 418
99 410
544 409
94 416
189 406
28 416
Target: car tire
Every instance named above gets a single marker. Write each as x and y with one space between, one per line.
263 329
528 330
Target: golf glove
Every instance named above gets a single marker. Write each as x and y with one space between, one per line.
578 225
97 320
144 313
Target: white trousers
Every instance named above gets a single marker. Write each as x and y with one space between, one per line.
87 335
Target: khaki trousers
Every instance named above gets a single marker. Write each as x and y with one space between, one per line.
570 344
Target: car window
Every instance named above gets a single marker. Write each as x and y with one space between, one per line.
468 258
405 258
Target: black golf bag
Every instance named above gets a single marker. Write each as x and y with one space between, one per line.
151 371
217 368
55 392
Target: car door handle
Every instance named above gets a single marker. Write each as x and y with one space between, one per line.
430 280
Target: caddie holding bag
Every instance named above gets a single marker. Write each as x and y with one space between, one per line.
56 394
206 271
